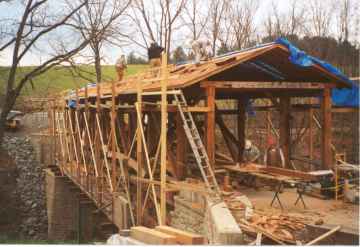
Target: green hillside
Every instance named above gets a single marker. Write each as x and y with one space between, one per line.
61 78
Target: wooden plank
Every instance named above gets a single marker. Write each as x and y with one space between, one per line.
210 124
289 173
182 237
139 157
128 161
151 236
326 153
325 235
285 128
147 159
265 85
163 137
180 147
311 133
258 238
294 108
241 120
229 138
112 137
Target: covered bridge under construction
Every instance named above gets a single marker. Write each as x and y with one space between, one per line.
108 137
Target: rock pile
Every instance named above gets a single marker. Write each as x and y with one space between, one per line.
30 188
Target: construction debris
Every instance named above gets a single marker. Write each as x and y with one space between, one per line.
280 228
325 235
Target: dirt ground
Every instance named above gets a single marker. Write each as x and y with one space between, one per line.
330 211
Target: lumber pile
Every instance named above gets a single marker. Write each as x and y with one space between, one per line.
151 236
182 237
165 235
280 228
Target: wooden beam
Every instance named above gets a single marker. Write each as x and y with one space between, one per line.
294 108
325 235
289 173
285 128
182 237
229 138
150 108
241 121
151 236
113 136
163 137
180 147
265 85
139 157
311 133
210 124
326 154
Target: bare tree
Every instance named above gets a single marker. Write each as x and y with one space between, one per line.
155 21
99 23
321 14
344 19
242 15
193 18
289 23
217 11
31 31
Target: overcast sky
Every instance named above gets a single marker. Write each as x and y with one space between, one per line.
111 52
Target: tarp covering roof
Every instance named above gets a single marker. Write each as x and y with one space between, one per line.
278 61
347 97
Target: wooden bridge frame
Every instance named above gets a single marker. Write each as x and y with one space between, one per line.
112 144
98 128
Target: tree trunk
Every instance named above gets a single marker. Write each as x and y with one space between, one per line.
6 107
97 64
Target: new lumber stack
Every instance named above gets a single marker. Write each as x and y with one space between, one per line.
182 237
164 235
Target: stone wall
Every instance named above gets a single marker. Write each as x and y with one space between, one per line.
62 208
187 216
194 213
28 188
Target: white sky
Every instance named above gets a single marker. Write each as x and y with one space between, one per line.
110 53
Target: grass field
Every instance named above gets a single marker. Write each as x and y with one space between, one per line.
60 78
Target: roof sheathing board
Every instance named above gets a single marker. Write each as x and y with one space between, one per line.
190 74
180 78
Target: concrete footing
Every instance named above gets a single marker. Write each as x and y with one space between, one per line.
194 213
221 226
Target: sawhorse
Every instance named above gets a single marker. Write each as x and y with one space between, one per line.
300 189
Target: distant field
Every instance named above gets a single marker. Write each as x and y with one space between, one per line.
60 78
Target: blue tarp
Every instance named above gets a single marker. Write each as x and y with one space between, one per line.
348 97
72 102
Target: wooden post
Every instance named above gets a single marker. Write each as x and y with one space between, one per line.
268 126
139 157
97 145
241 120
180 147
113 136
326 155
164 75
210 124
285 128
311 134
